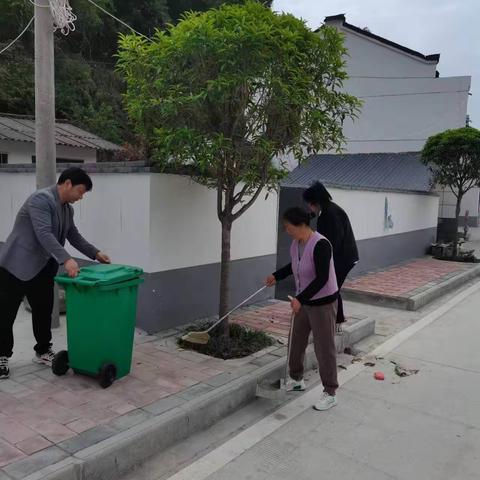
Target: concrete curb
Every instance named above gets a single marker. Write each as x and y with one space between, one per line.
354 333
113 457
416 301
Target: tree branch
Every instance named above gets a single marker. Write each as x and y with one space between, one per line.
238 197
248 204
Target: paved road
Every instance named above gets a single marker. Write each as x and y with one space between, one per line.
425 426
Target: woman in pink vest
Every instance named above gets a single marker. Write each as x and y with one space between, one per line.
314 305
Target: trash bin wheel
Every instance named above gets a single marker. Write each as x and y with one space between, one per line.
60 363
108 374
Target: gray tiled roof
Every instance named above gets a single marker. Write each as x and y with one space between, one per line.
20 129
370 171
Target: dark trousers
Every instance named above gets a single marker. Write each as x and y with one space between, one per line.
320 320
341 274
39 293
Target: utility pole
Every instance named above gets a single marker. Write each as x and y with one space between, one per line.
45 148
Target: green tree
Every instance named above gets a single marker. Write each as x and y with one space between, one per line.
453 157
224 92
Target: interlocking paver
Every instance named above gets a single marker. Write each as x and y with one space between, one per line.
9 453
13 431
33 444
81 425
54 431
405 280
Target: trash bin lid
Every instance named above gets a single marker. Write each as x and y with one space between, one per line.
103 274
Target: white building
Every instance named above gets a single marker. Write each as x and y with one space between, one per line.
74 145
405 101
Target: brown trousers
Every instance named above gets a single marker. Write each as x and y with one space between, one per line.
320 320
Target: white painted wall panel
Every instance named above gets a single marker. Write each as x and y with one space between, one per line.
366 211
188 232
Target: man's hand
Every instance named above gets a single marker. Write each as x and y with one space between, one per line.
103 258
72 268
295 304
270 281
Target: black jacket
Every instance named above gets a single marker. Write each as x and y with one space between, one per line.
334 224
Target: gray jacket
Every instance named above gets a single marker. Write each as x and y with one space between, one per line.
39 233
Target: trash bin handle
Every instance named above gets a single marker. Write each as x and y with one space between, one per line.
84 283
116 286
76 281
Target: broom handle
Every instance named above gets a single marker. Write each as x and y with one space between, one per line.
220 320
288 346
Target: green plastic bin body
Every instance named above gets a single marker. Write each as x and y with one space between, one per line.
101 310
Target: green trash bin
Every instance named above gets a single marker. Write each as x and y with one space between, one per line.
101 309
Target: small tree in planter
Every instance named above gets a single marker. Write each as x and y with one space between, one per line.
222 93
453 157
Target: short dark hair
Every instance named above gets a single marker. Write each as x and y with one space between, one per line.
77 176
317 194
296 216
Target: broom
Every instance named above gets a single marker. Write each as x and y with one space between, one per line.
203 337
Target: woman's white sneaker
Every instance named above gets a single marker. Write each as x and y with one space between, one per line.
295 385
326 401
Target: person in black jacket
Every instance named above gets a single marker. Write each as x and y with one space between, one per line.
334 224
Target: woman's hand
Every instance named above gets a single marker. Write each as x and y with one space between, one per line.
295 304
270 281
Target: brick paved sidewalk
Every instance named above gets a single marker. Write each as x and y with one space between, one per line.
409 278
45 418
273 319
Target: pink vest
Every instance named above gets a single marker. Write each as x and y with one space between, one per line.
304 269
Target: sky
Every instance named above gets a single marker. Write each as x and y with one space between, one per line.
448 27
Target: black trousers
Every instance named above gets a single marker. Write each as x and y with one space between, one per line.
39 293
341 273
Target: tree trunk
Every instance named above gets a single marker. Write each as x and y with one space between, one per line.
457 214
225 275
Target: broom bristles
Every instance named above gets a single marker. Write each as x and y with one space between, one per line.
196 337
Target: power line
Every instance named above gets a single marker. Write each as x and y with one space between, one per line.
389 140
413 93
390 78
120 21
23 31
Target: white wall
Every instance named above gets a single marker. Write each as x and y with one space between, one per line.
14 190
188 232
392 121
369 57
154 221
366 211
114 216
397 122
21 152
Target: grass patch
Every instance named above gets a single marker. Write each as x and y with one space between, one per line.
242 342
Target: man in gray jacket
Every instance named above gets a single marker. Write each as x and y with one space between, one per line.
30 258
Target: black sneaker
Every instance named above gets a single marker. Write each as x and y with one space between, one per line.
4 370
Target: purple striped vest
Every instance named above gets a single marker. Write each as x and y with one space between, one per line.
304 269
